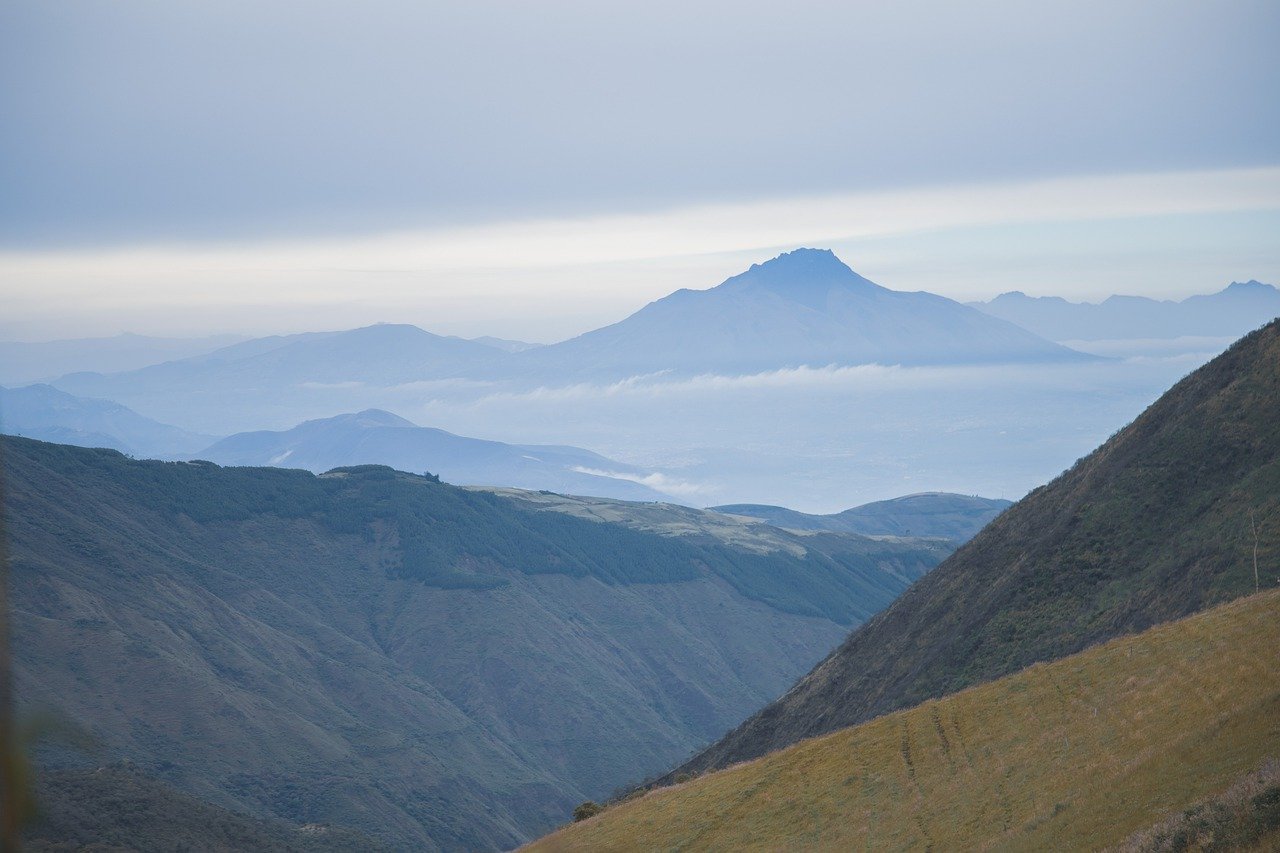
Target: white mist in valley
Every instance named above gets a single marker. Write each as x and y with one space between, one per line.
822 440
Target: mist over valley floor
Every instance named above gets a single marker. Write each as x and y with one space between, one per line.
819 408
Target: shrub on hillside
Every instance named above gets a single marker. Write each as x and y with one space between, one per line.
1236 819
586 810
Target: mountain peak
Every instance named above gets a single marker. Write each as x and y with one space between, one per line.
381 417
361 420
803 259
1250 286
805 264
804 275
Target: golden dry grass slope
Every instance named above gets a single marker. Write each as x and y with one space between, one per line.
1072 755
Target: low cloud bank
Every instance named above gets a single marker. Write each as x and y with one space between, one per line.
661 482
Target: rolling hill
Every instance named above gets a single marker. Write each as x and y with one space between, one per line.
1077 754
1152 526
436 667
933 514
379 437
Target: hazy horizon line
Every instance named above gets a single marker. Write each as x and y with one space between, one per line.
551 279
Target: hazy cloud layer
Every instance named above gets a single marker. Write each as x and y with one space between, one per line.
1169 234
828 438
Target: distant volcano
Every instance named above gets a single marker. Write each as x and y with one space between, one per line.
801 308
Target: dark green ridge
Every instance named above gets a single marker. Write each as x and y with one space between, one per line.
115 807
436 667
446 535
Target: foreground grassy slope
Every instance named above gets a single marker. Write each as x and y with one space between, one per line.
1152 526
1073 755
1246 816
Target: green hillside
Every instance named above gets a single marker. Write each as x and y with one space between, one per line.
436 667
117 808
1152 526
1074 755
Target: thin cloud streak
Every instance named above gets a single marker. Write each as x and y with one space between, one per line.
658 481
877 378
561 276
705 229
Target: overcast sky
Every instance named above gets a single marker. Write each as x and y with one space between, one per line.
533 169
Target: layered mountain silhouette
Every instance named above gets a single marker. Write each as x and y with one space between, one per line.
375 436
368 437
378 437
24 362
1152 526
44 412
933 514
803 308
278 381
383 354
1239 308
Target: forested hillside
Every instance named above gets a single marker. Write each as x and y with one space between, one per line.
433 666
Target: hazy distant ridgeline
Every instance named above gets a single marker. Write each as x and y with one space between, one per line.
277 382
1152 526
1239 308
711 525
22 362
986 408
45 413
801 308
434 666
954 517
379 437
376 437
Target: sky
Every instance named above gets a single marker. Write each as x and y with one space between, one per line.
534 170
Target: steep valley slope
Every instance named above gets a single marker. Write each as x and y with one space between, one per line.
1154 525
1077 754
436 667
